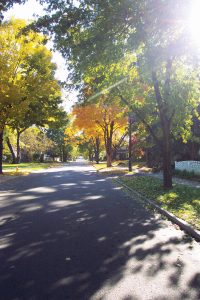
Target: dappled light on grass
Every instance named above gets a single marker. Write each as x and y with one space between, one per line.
183 201
120 167
16 173
26 168
168 197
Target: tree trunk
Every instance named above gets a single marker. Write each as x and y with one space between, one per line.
61 153
167 169
97 150
114 154
108 135
109 160
90 156
67 156
129 147
109 152
64 154
1 152
165 120
41 157
18 148
11 151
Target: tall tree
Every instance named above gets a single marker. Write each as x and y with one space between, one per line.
56 132
91 131
104 120
103 31
29 93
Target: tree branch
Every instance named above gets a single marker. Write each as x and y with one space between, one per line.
137 113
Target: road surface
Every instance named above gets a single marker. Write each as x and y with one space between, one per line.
69 233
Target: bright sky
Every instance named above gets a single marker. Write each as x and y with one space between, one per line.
29 11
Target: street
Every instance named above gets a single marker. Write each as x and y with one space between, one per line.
70 233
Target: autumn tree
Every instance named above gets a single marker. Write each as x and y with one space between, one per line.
35 143
101 120
90 129
29 93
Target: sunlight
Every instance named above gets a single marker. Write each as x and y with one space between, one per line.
107 89
194 22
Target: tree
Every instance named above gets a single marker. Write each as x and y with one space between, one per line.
101 120
90 129
56 132
29 93
9 141
169 93
157 31
35 143
86 148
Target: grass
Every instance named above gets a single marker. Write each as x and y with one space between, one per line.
120 167
187 175
25 168
183 201
100 166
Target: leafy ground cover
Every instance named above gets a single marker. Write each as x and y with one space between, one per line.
25 168
183 201
121 167
187 175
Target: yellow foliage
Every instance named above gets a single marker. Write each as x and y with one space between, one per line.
26 71
95 119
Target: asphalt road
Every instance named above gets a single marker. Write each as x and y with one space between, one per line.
68 233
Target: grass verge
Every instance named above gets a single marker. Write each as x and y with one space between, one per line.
182 201
187 175
26 168
120 167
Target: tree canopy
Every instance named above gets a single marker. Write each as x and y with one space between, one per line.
29 92
95 35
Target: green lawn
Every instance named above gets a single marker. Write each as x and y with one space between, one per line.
100 166
182 201
26 168
187 175
120 167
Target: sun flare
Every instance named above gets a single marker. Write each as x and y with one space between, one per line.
194 22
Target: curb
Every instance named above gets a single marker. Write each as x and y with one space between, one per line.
181 223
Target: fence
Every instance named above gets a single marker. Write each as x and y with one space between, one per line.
190 165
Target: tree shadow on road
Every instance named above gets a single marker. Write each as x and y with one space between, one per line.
79 237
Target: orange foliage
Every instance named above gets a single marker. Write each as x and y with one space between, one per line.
94 119
71 133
